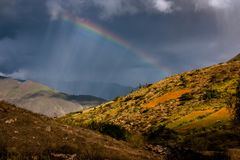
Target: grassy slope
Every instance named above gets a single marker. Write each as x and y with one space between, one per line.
26 135
198 119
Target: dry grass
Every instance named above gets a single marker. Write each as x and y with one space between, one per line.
166 97
189 118
162 105
220 116
233 154
24 133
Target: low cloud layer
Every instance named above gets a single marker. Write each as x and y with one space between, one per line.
109 8
215 4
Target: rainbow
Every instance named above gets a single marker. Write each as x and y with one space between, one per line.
90 26
94 28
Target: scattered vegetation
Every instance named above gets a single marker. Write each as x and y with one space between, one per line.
25 135
233 102
237 103
189 110
153 114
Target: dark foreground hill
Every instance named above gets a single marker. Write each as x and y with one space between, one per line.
194 109
41 99
25 135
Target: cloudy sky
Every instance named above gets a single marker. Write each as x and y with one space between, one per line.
166 37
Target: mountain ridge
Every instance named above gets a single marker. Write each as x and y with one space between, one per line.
41 99
236 58
180 108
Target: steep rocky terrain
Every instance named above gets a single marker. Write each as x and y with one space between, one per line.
42 99
25 135
193 110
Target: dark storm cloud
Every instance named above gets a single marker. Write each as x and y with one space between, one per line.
196 33
176 34
21 16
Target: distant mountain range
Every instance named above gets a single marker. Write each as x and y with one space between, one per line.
98 89
41 99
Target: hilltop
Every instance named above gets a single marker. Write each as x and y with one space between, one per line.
192 110
236 58
26 135
41 99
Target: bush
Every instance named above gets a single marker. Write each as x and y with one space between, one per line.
128 98
112 130
183 81
160 135
186 97
138 97
210 94
145 111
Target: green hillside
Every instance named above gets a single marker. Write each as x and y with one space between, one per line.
193 109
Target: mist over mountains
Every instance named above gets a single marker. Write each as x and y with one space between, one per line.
98 89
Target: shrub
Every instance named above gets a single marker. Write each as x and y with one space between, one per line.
145 111
161 134
138 97
186 97
210 94
127 98
112 130
183 81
